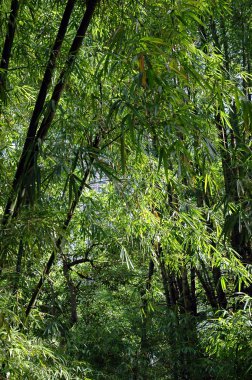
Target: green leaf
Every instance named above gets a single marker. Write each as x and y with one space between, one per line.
123 159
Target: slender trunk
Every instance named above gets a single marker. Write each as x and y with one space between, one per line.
225 155
72 294
232 142
144 297
231 176
42 279
167 280
144 346
186 292
66 223
225 45
18 266
76 45
221 296
193 291
46 82
189 296
209 291
168 297
8 43
142 362
33 147
28 149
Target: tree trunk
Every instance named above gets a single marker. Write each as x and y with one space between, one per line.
142 361
221 296
209 291
72 294
18 266
29 145
66 223
32 148
8 43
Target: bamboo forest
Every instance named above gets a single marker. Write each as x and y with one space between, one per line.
125 189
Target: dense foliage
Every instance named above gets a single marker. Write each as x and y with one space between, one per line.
125 198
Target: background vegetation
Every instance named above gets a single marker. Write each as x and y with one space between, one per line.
125 198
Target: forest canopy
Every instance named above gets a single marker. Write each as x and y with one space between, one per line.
125 189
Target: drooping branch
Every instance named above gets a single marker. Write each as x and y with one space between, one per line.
85 259
82 276
80 261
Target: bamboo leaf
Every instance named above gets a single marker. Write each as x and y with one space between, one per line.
123 156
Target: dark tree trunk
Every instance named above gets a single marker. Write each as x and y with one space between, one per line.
66 223
29 145
32 147
8 43
209 291
193 291
144 342
142 360
74 49
167 279
231 139
186 292
72 294
221 296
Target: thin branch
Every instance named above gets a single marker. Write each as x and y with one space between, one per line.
66 223
81 261
83 277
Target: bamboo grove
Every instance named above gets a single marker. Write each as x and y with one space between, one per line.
125 189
